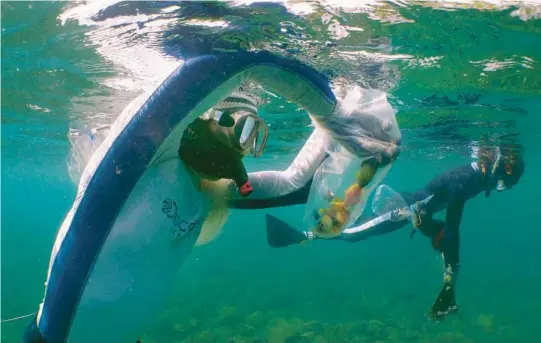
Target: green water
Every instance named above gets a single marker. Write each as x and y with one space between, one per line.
237 289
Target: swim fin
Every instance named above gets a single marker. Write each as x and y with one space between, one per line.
32 334
444 304
280 234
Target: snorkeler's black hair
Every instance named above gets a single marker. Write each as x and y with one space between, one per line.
518 168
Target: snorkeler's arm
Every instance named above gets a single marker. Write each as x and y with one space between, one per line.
285 187
449 245
364 123
449 189
373 226
292 186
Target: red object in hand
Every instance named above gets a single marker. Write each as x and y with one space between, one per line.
246 189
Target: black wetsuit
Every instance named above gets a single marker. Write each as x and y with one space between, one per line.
450 191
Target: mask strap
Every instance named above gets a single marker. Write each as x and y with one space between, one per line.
496 166
495 173
261 125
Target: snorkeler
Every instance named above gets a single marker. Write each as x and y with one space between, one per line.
497 169
214 147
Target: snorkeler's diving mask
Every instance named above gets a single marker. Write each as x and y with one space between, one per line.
507 170
238 113
512 171
252 133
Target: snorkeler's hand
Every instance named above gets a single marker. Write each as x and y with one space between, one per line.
389 155
400 214
416 218
445 303
364 133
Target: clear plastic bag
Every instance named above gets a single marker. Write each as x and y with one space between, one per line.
364 123
84 142
362 128
389 202
336 198
386 200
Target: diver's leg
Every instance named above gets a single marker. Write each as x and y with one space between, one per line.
435 230
431 228
449 246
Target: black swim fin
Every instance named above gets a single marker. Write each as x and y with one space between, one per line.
280 234
32 333
444 304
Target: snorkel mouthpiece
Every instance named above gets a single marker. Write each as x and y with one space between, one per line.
246 189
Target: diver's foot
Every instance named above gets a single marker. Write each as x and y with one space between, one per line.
444 305
280 234
440 315
309 237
